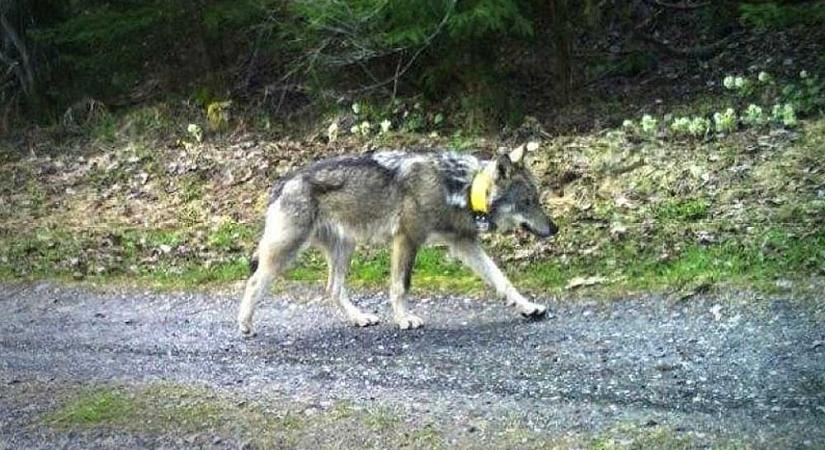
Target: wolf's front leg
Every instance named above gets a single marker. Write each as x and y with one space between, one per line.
473 255
403 258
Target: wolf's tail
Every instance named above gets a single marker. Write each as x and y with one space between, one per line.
253 263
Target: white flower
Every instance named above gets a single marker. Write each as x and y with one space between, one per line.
785 114
649 124
803 74
385 125
726 121
354 129
739 82
196 131
364 128
753 115
764 77
728 82
627 124
356 108
532 146
681 125
698 126
332 132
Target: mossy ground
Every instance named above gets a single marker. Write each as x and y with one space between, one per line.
757 262
199 415
638 215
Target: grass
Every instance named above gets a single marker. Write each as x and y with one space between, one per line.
763 223
168 408
198 415
165 408
167 259
683 209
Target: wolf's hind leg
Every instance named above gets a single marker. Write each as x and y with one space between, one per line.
403 258
473 255
283 237
338 251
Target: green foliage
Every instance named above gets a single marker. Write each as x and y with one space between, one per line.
802 96
775 15
805 94
754 116
105 49
687 210
725 122
93 408
100 50
440 46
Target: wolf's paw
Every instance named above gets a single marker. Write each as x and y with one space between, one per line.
363 320
533 311
246 330
409 322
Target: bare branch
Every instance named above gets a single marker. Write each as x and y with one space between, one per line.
701 51
26 74
680 6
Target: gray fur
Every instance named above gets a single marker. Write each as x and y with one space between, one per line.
407 199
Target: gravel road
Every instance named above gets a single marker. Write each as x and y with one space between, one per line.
718 368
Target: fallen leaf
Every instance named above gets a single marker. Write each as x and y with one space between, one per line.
585 281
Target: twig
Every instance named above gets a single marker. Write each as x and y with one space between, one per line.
27 81
680 6
699 51
415 55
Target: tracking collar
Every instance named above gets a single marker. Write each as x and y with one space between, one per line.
480 190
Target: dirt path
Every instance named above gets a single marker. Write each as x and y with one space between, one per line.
702 371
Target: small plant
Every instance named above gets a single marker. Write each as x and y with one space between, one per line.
385 126
195 131
649 125
739 84
698 127
332 132
784 114
806 95
680 126
362 128
413 122
695 126
217 115
725 122
754 116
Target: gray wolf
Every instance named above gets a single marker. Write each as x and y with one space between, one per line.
406 200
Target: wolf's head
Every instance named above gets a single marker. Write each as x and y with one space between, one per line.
514 198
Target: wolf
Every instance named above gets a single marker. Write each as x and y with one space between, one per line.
405 199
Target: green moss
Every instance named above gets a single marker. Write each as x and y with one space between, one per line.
630 264
177 410
683 209
95 407
231 236
171 409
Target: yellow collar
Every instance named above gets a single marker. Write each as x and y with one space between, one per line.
479 191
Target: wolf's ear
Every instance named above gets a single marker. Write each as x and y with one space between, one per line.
517 154
504 167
